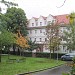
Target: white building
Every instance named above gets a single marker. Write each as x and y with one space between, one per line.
36 29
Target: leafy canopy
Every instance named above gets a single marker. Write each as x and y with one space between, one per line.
6 38
15 19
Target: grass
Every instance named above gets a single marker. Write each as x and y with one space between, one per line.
31 64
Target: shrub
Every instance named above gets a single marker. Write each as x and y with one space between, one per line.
65 74
74 60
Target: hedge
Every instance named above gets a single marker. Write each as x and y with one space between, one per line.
38 54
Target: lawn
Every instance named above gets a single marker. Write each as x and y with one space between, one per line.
28 64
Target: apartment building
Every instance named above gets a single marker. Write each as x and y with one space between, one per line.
37 31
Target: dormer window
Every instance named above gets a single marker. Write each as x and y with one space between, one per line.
40 23
32 24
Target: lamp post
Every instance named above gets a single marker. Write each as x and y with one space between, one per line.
58 47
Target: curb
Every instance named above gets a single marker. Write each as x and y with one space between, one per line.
39 70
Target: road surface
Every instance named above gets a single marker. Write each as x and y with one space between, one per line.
55 71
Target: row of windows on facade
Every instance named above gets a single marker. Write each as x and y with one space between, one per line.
35 31
41 23
40 39
40 30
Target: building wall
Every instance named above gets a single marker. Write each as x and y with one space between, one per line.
36 29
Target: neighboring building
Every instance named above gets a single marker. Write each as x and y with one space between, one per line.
37 30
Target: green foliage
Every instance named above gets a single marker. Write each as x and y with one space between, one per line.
16 20
73 70
31 64
8 4
32 45
6 38
65 74
53 40
74 60
70 34
3 21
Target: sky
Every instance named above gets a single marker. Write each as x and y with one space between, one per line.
37 8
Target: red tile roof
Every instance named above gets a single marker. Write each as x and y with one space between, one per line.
59 18
62 19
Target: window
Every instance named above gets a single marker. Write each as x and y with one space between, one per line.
35 31
40 31
32 24
36 23
64 47
40 23
45 21
45 39
35 39
40 39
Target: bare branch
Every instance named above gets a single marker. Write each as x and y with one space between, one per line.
62 4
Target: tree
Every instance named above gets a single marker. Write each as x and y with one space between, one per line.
3 21
15 19
70 34
53 39
32 46
8 3
6 39
62 4
21 41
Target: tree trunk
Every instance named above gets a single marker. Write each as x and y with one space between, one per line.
18 53
0 55
50 54
14 47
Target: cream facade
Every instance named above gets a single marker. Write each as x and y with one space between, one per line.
37 31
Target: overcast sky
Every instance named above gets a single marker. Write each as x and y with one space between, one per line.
35 8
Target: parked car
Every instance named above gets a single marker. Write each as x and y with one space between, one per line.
68 56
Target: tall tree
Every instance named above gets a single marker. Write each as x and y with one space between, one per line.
70 33
22 42
8 3
6 39
53 39
32 45
15 19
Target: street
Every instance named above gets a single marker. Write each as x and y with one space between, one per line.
55 71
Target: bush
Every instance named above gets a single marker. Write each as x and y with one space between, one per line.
47 55
65 74
74 60
37 54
